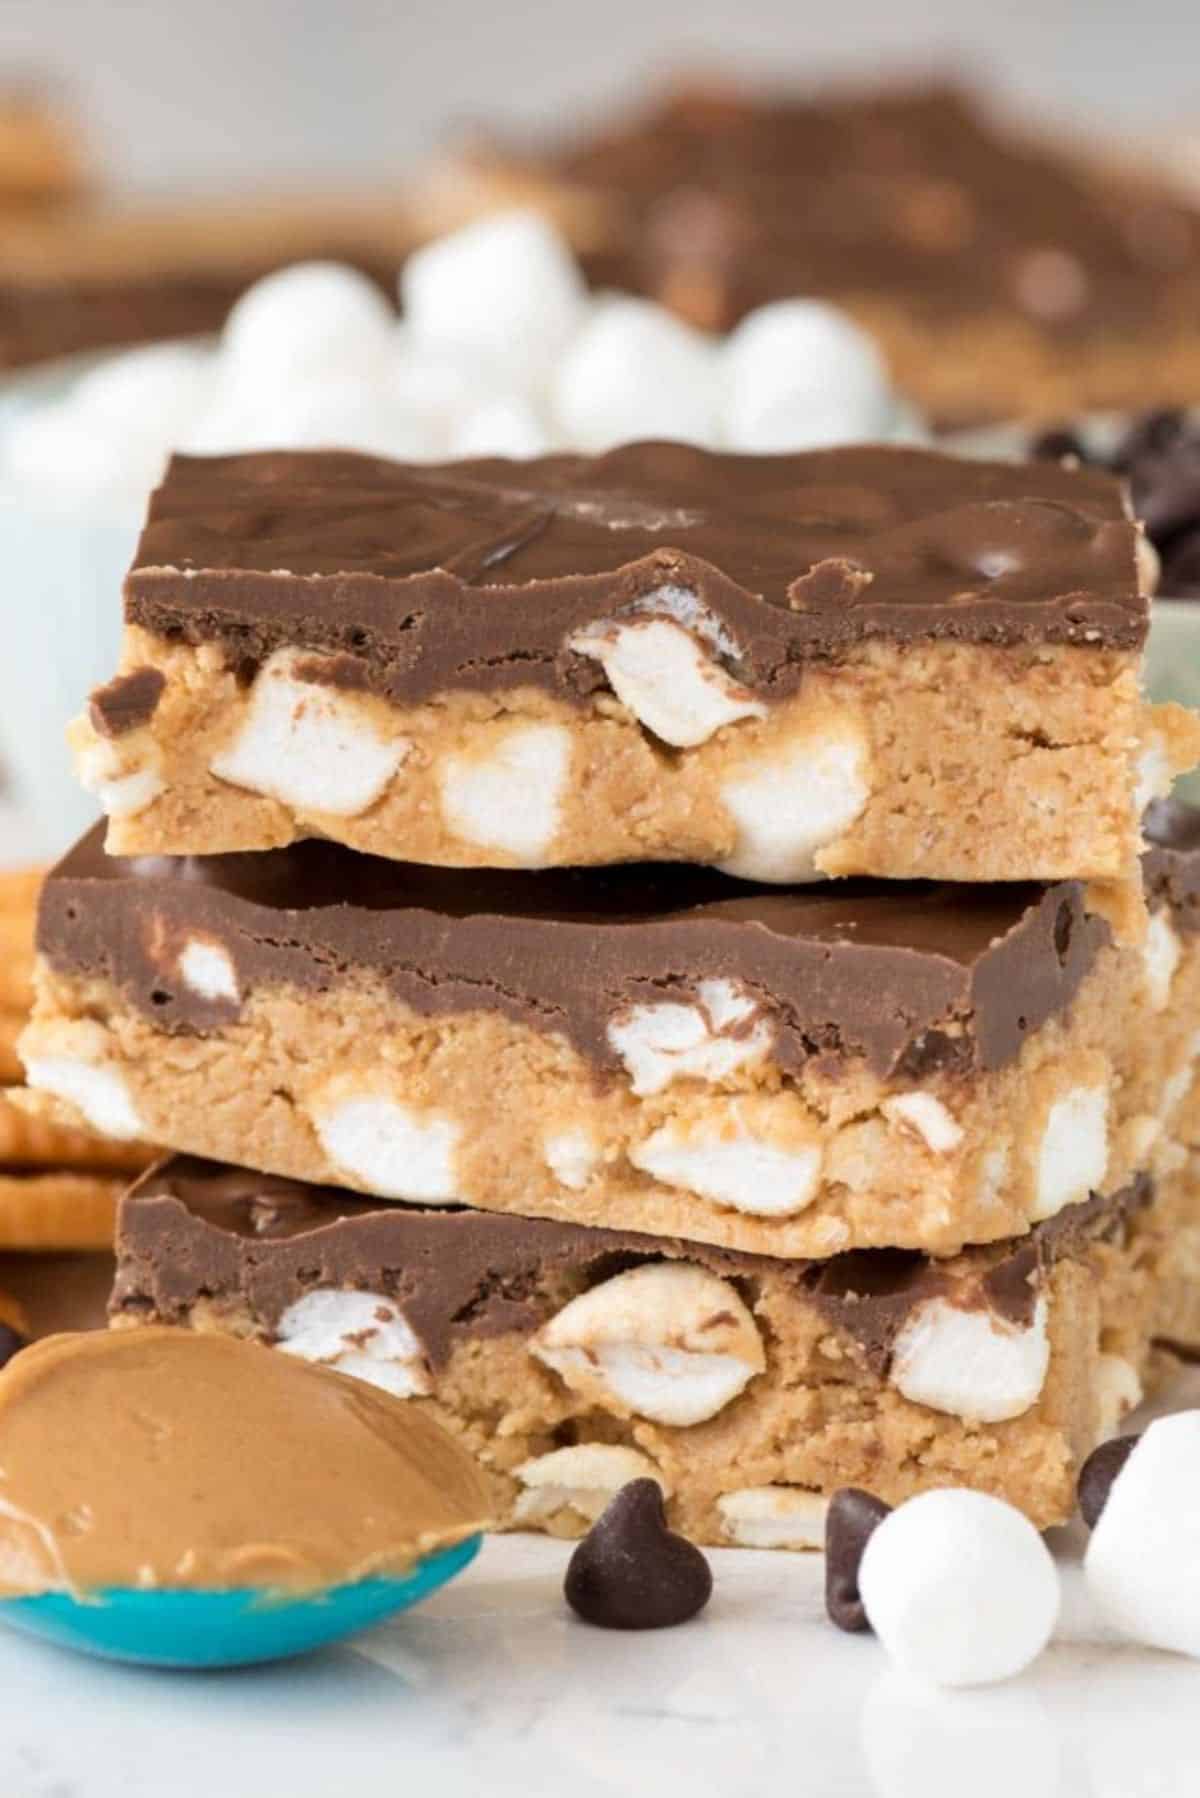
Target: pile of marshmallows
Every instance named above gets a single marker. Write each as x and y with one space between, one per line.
961 1590
500 350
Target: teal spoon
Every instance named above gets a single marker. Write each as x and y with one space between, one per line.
227 1628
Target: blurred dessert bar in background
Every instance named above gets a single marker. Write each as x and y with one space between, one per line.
41 164
1003 274
854 661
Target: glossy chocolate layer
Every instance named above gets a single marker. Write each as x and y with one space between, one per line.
906 976
193 1230
910 196
473 575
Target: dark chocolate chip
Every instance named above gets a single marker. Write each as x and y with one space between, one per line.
1057 445
851 1520
1153 434
1181 566
632 1572
1098 1473
11 1343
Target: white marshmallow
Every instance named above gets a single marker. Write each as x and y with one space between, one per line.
731 1162
314 317
634 371
971 1364
433 391
511 797
1072 1157
121 795
389 1148
667 1341
1118 1391
99 1092
774 1517
959 1587
505 289
571 1156
1152 772
205 967
789 807
505 426
1143 1561
925 1115
1161 951
660 673
359 1333
799 374
307 745
334 411
166 382
583 1478
689 611
705 1041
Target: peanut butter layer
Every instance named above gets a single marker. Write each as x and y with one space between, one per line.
165 1460
572 1360
1004 273
791 1073
662 653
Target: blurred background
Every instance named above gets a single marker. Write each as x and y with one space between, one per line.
184 93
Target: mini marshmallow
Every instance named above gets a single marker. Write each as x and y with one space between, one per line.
121 795
959 1587
206 969
505 426
510 797
1161 951
634 371
667 1341
789 807
705 1041
1118 1391
166 382
434 390
583 1478
314 317
571 1156
1152 772
358 1333
1143 1560
335 411
971 1364
1072 1157
774 1517
388 1148
307 745
97 1091
799 374
506 289
927 1117
733 1158
659 672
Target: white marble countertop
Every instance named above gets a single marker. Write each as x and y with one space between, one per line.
494 1688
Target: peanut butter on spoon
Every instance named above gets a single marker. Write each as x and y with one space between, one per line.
157 1458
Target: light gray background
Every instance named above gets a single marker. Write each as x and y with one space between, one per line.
202 92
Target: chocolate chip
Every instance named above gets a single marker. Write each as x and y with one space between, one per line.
852 1518
1181 566
1056 445
631 1572
1098 1473
11 1343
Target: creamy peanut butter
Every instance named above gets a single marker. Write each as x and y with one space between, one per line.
158 1458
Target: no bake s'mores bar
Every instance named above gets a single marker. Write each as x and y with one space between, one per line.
793 1073
875 661
573 1360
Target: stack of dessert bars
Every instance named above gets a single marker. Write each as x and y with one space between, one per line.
464 926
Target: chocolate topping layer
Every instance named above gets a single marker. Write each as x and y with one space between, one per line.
907 976
912 196
473 575
193 1229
